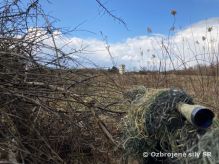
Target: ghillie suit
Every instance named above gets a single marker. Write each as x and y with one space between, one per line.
154 124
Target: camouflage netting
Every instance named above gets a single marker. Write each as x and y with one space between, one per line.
208 143
153 124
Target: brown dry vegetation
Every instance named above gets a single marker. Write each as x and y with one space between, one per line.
52 114
203 88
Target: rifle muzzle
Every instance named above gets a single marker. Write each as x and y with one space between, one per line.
199 116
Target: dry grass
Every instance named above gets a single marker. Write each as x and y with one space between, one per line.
204 89
50 114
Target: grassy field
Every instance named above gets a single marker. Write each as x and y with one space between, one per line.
82 123
204 89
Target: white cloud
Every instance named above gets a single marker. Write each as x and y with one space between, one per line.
193 44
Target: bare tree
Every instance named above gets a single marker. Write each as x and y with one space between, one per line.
49 113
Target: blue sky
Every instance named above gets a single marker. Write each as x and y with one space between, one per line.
139 14
135 47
